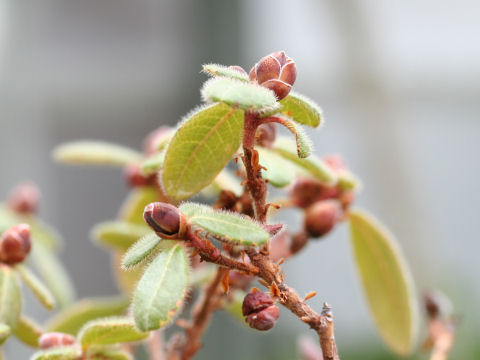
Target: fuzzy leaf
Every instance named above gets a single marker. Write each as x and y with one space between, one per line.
38 288
118 235
312 165
59 353
5 332
132 208
246 96
71 319
301 109
91 152
28 331
153 163
386 281
279 172
224 71
236 228
10 297
107 354
304 144
200 149
141 250
161 290
109 331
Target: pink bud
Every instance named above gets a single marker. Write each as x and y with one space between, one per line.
165 219
24 198
321 217
55 339
15 244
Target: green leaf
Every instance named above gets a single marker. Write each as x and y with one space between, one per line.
161 290
109 331
59 353
246 96
304 144
38 288
141 250
90 152
348 181
279 172
44 234
200 149
234 227
5 332
301 109
386 281
10 297
107 354
312 165
54 274
153 163
71 319
118 235
28 331
224 71
132 209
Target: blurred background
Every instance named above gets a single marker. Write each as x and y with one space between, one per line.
399 83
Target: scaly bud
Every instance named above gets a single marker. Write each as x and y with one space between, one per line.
135 178
166 220
275 71
260 311
55 339
15 244
24 198
266 134
321 217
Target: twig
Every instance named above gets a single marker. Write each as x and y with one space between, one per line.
156 346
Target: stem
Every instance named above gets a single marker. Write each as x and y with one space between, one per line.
156 346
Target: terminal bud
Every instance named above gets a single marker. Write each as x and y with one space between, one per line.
166 220
15 244
55 339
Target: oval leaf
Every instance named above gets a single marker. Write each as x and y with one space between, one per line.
140 250
107 354
386 281
5 332
91 152
132 208
71 319
118 235
279 172
38 288
200 149
304 144
245 95
301 109
234 227
59 353
28 331
225 71
109 331
10 297
160 292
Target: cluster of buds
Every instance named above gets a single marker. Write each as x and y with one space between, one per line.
55 339
166 220
24 199
260 311
276 72
15 244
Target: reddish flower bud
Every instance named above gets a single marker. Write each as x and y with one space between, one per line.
24 198
55 339
260 311
154 139
135 177
15 244
276 72
266 134
166 220
238 68
255 301
321 217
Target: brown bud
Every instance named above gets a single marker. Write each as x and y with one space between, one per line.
227 200
166 220
15 244
154 139
55 339
276 72
238 68
24 198
135 177
260 311
321 217
266 134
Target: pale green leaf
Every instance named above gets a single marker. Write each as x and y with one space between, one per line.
225 180
110 331
161 290
348 181
44 234
233 227
279 172
303 142
153 163
234 306
72 318
132 208
119 235
386 281
35 284
301 109
140 250
91 152
221 70
246 96
5 333
59 353
28 331
200 149
10 297
107 354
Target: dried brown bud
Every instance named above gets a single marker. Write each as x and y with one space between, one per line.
154 139
260 311
166 220
321 217
275 71
238 68
55 339
15 244
24 198
266 134
135 178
